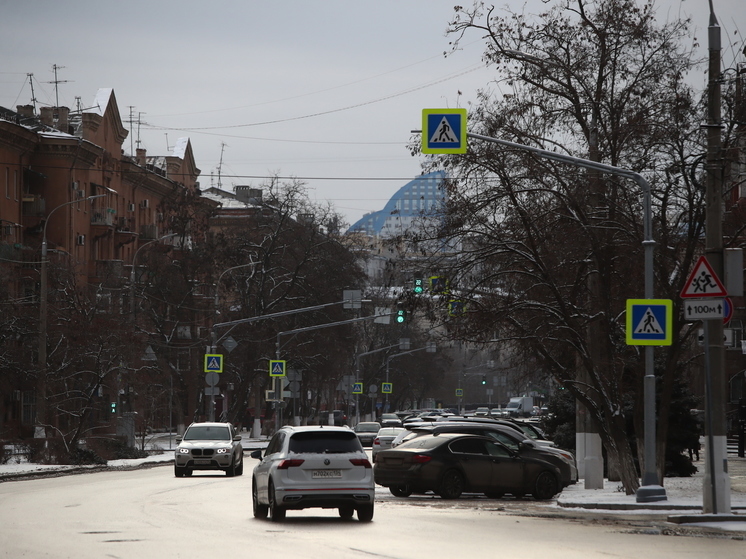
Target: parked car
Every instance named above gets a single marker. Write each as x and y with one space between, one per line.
340 418
390 420
311 467
511 437
366 431
450 464
209 446
384 438
482 412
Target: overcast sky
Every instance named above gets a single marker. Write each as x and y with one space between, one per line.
326 91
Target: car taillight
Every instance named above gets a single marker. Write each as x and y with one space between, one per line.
285 464
421 458
360 462
376 441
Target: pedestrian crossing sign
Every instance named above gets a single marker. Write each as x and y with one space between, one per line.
443 130
213 363
276 368
649 321
357 387
387 387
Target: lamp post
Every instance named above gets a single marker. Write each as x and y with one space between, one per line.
132 272
217 289
430 348
41 402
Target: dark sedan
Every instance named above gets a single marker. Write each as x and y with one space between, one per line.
450 464
367 431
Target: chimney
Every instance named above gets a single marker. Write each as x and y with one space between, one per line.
141 156
47 116
25 110
249 196
63 119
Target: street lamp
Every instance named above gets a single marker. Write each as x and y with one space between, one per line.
132 272
41 407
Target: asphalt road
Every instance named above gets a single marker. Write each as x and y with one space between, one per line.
150 513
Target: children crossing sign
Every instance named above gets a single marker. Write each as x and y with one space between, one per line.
276 368
649 321
443 130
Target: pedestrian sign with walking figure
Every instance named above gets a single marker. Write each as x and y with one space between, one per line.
649 321
277 368
444 131
703 281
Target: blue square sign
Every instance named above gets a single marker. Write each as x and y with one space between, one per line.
649 321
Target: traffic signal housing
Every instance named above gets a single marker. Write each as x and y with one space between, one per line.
401 315
418 286
113 407
484 379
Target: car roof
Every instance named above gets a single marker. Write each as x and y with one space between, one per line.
211 424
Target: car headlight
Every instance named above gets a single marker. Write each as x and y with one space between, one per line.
223 450
183 451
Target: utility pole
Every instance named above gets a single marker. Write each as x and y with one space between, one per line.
716 486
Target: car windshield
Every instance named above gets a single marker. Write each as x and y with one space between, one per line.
329 442
208 433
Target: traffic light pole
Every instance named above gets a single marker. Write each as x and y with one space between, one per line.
430 348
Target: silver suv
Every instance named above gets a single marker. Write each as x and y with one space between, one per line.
314 466
209 446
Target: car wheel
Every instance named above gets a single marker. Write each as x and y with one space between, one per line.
452 485
494 495
346 512
365 513
239 468
276 512
188 472
230 471
400 490
545 486
260 511
179 471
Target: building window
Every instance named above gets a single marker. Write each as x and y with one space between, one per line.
7 182
28 407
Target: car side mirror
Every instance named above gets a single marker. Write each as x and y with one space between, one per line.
178 440
237 437
256 454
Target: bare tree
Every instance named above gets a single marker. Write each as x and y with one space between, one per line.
548 254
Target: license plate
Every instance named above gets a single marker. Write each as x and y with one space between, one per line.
394 461
201 461
326 473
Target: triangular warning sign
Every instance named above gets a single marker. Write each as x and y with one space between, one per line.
277 368
703 282
648 324
444 134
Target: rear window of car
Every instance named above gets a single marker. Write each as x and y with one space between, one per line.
207 433
423 443
329 442
389 432
367 427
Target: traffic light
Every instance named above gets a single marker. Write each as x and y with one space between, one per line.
113 407
419 285
484 379
401 316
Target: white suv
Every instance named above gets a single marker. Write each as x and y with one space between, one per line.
314 466
209 446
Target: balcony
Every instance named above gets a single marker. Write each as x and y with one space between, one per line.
34 206
103 217
149 231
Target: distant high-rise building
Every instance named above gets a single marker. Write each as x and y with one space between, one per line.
413 201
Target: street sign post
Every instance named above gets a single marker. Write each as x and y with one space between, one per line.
277 368
444 131
703 282
649 321
213 363
704 309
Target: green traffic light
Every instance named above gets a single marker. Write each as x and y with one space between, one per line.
401 316
419 285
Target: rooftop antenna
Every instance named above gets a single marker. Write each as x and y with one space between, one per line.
33 96
78 104
131 121
56 83
220 165
168 148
